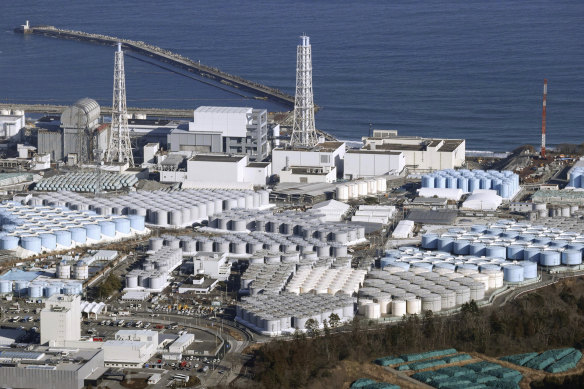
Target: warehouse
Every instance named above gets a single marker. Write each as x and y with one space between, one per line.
222 168
42 367
371 163
181 343
421 154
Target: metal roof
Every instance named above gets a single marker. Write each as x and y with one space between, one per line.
210 109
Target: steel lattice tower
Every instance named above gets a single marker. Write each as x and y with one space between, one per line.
119 147
304 132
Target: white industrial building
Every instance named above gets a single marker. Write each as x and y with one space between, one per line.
403 230
11 123
61 319
181 343
324 154
226 169
421 154
483 200
370 163
131 348
232 130
309 174
215 265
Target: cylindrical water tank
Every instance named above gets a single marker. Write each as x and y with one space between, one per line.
398 308
496 252
513 273
515 252
445 244
549 258
9 242
122 225
31 243
48 241
529 270
131 281
571 257
477 249
35 290
78 234
108 228
414 306
155 244
429 241
93 231
5 286
461 247
531 254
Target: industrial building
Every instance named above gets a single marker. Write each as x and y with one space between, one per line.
421 154
324 155
78 136
230 130
44 367
214 265
61 319
372 163
11 123
226 169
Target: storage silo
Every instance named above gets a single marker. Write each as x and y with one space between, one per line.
51 289
496 252
63 270
35 290
48 241
427 181
21 287
155 244
122 225
131 280
398 308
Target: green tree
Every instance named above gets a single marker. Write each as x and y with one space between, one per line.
334 320
312 327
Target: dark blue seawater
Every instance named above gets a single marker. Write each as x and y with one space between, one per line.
461 69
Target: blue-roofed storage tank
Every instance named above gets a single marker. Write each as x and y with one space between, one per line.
137 222
451 182
48 241
35 290
529 270
427 181
52 289
63 237
461 247
9 242
531 254
513 273
558 243
107 228
93 231
478 228
440 182
571 257
31 243
463 184
5 286
477 249
515 252
445 244
430 241
78 234
549 258
122 225
496 252
526 237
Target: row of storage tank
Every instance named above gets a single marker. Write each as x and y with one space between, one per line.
497 269
48 228
506 183
324 279
87 182
577 177
37 289
274 315
155 268
514 241
255 242
405 292
172 208
360 188
305 224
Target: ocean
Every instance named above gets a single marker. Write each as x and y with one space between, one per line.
458 69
